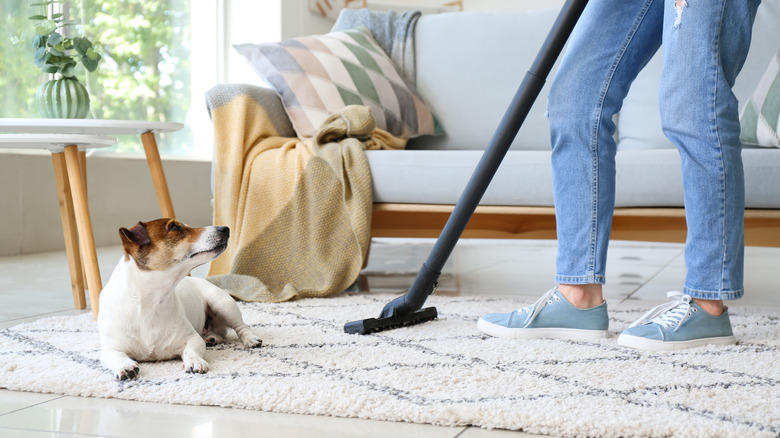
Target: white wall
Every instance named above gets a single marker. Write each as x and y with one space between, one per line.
119 190
297 20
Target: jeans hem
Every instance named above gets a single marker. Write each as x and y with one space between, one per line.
710 295
580 279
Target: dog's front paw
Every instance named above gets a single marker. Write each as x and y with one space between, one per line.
248 338
198 365
252 342
127 372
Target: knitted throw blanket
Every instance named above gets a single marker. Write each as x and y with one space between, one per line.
393 31
299 211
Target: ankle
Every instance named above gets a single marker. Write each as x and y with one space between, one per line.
713 307
582 296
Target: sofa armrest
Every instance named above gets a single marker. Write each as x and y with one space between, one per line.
267 98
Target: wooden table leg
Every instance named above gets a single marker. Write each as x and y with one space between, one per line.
158 176
69 230
84 225
83 165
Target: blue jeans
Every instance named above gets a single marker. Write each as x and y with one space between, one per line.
705 44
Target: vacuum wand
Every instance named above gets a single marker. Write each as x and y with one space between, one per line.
404 310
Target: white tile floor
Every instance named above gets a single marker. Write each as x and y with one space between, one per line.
36 286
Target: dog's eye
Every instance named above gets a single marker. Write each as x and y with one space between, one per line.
174 227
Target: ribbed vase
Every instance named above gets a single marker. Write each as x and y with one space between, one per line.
63 98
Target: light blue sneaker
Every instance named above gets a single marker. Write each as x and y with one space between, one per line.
552 316
676 325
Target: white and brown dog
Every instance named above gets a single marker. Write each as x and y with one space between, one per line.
151 310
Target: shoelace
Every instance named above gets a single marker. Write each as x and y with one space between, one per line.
534 308
668 314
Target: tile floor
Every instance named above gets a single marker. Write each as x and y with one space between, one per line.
36 286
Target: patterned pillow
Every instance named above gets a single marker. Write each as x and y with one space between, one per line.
317 76
761 116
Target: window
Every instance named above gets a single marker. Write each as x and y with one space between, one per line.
148 69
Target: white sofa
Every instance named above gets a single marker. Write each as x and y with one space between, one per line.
469 65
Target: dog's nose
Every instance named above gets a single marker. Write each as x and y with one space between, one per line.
224 230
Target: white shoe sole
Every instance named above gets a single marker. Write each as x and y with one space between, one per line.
500 331
656 345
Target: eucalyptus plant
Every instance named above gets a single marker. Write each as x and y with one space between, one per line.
56 53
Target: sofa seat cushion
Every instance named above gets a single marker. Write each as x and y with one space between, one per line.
645 178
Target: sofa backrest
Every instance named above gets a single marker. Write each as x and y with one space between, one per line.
470 64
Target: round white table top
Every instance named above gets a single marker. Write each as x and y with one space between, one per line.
54 142
85 126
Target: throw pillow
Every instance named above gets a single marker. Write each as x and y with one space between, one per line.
317 76
761 116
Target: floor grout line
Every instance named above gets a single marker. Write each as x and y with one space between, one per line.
657 273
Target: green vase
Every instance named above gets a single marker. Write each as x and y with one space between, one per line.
63 98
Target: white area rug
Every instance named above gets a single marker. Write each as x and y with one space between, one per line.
443 372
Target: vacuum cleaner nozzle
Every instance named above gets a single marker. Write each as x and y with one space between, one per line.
372 325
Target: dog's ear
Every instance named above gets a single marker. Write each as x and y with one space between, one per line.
134 238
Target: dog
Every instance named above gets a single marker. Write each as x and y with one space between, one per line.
151 310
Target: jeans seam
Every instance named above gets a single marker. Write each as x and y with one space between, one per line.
714 295
722 212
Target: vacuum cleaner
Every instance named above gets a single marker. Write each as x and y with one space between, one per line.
406 309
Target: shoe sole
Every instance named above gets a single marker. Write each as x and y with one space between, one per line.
500 331
656 345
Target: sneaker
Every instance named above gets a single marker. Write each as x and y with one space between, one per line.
552 316
677 325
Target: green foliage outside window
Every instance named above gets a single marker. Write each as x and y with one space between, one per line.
144 73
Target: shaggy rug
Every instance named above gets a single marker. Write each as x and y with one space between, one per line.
443 372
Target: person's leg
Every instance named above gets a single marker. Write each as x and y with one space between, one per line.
612 42
602 61
704 46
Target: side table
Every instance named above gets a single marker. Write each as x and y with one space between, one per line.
74 209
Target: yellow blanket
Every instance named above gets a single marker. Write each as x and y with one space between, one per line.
299 211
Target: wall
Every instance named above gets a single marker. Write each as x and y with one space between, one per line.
119 190
297 20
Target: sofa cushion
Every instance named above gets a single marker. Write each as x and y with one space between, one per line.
317 76
760 117
469 66
645 178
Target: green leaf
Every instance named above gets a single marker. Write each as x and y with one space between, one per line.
45 27
50 68
55 38
38 41
40 56
90 64
37 17
82 45
67 70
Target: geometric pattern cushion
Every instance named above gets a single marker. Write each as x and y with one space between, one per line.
760 118
317 76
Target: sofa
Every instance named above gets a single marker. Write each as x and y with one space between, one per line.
468 67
